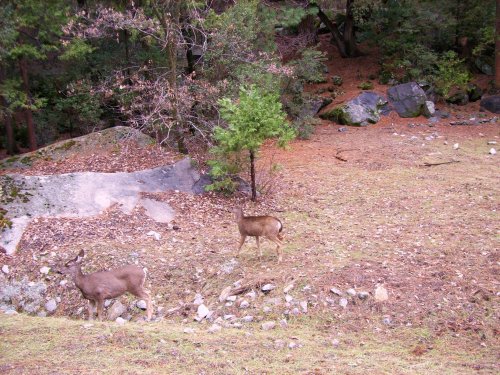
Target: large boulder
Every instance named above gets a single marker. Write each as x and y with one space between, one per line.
491 103
360 111
407 99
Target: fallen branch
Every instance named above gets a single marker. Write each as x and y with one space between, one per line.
338 157
440 163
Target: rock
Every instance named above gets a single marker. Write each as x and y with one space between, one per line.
252 295
198 299
381 293
491 103
268 287
116 310
429 109
120 321
51 305
283 323
247 319
335 343
337 80
141 304
279 344
10 312
5 269
244 304
214 328
336 291
188 330
387 320
303 306
231 298
295 311
229 317
288 298
63 282
229 266
155 235
456 146
266 326
363 295
342 129
483 66
288 288
225 293
293 345
107 302
202 311
474 92
45 270
492 142
343 302
360 111
458 98
266 309
493 151
351 292
407 99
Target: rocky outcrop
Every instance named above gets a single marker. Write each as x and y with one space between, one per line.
407 99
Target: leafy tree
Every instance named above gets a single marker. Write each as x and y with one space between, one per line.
32 28
255 117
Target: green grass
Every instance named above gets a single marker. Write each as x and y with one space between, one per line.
55 345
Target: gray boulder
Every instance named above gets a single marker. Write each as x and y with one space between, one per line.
491 103
116 310
360 111
407 99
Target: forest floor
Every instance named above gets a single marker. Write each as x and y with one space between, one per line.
395 203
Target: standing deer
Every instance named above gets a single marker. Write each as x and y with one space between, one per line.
257 226
99 286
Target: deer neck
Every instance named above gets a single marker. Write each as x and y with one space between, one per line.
78 277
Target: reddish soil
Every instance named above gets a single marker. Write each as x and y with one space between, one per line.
360 207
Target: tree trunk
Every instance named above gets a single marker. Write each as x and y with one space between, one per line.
497 47
7 120
349 35
252 175
171 50
23 67
335 32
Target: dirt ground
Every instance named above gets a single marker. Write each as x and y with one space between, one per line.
393 203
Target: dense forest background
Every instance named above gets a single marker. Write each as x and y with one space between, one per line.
171 68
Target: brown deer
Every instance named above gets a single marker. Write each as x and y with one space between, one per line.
259 226
99 286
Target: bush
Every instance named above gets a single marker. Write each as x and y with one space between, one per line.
451 73
310 67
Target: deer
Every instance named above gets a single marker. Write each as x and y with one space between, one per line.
99 286
259 226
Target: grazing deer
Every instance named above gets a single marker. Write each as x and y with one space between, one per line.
257 226
99 286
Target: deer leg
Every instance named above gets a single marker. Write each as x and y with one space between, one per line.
242 240
145 295
279 252
100 308
258 246
90 308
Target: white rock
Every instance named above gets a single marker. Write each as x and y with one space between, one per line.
295 311
10 312
268 287
203 311
244 304
198 299
214 328
279 344
231 298
266 309
87 325
120 321
283 323
155 235
51 305
63 282
303 306
252 295
336 291
247 319
492 142
288 298
188 330
335 343
266 326
142 304
381 293
493 151
225 293
288 288
45 270
456 146
343 302
229 317
5 269
293 345
351 292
